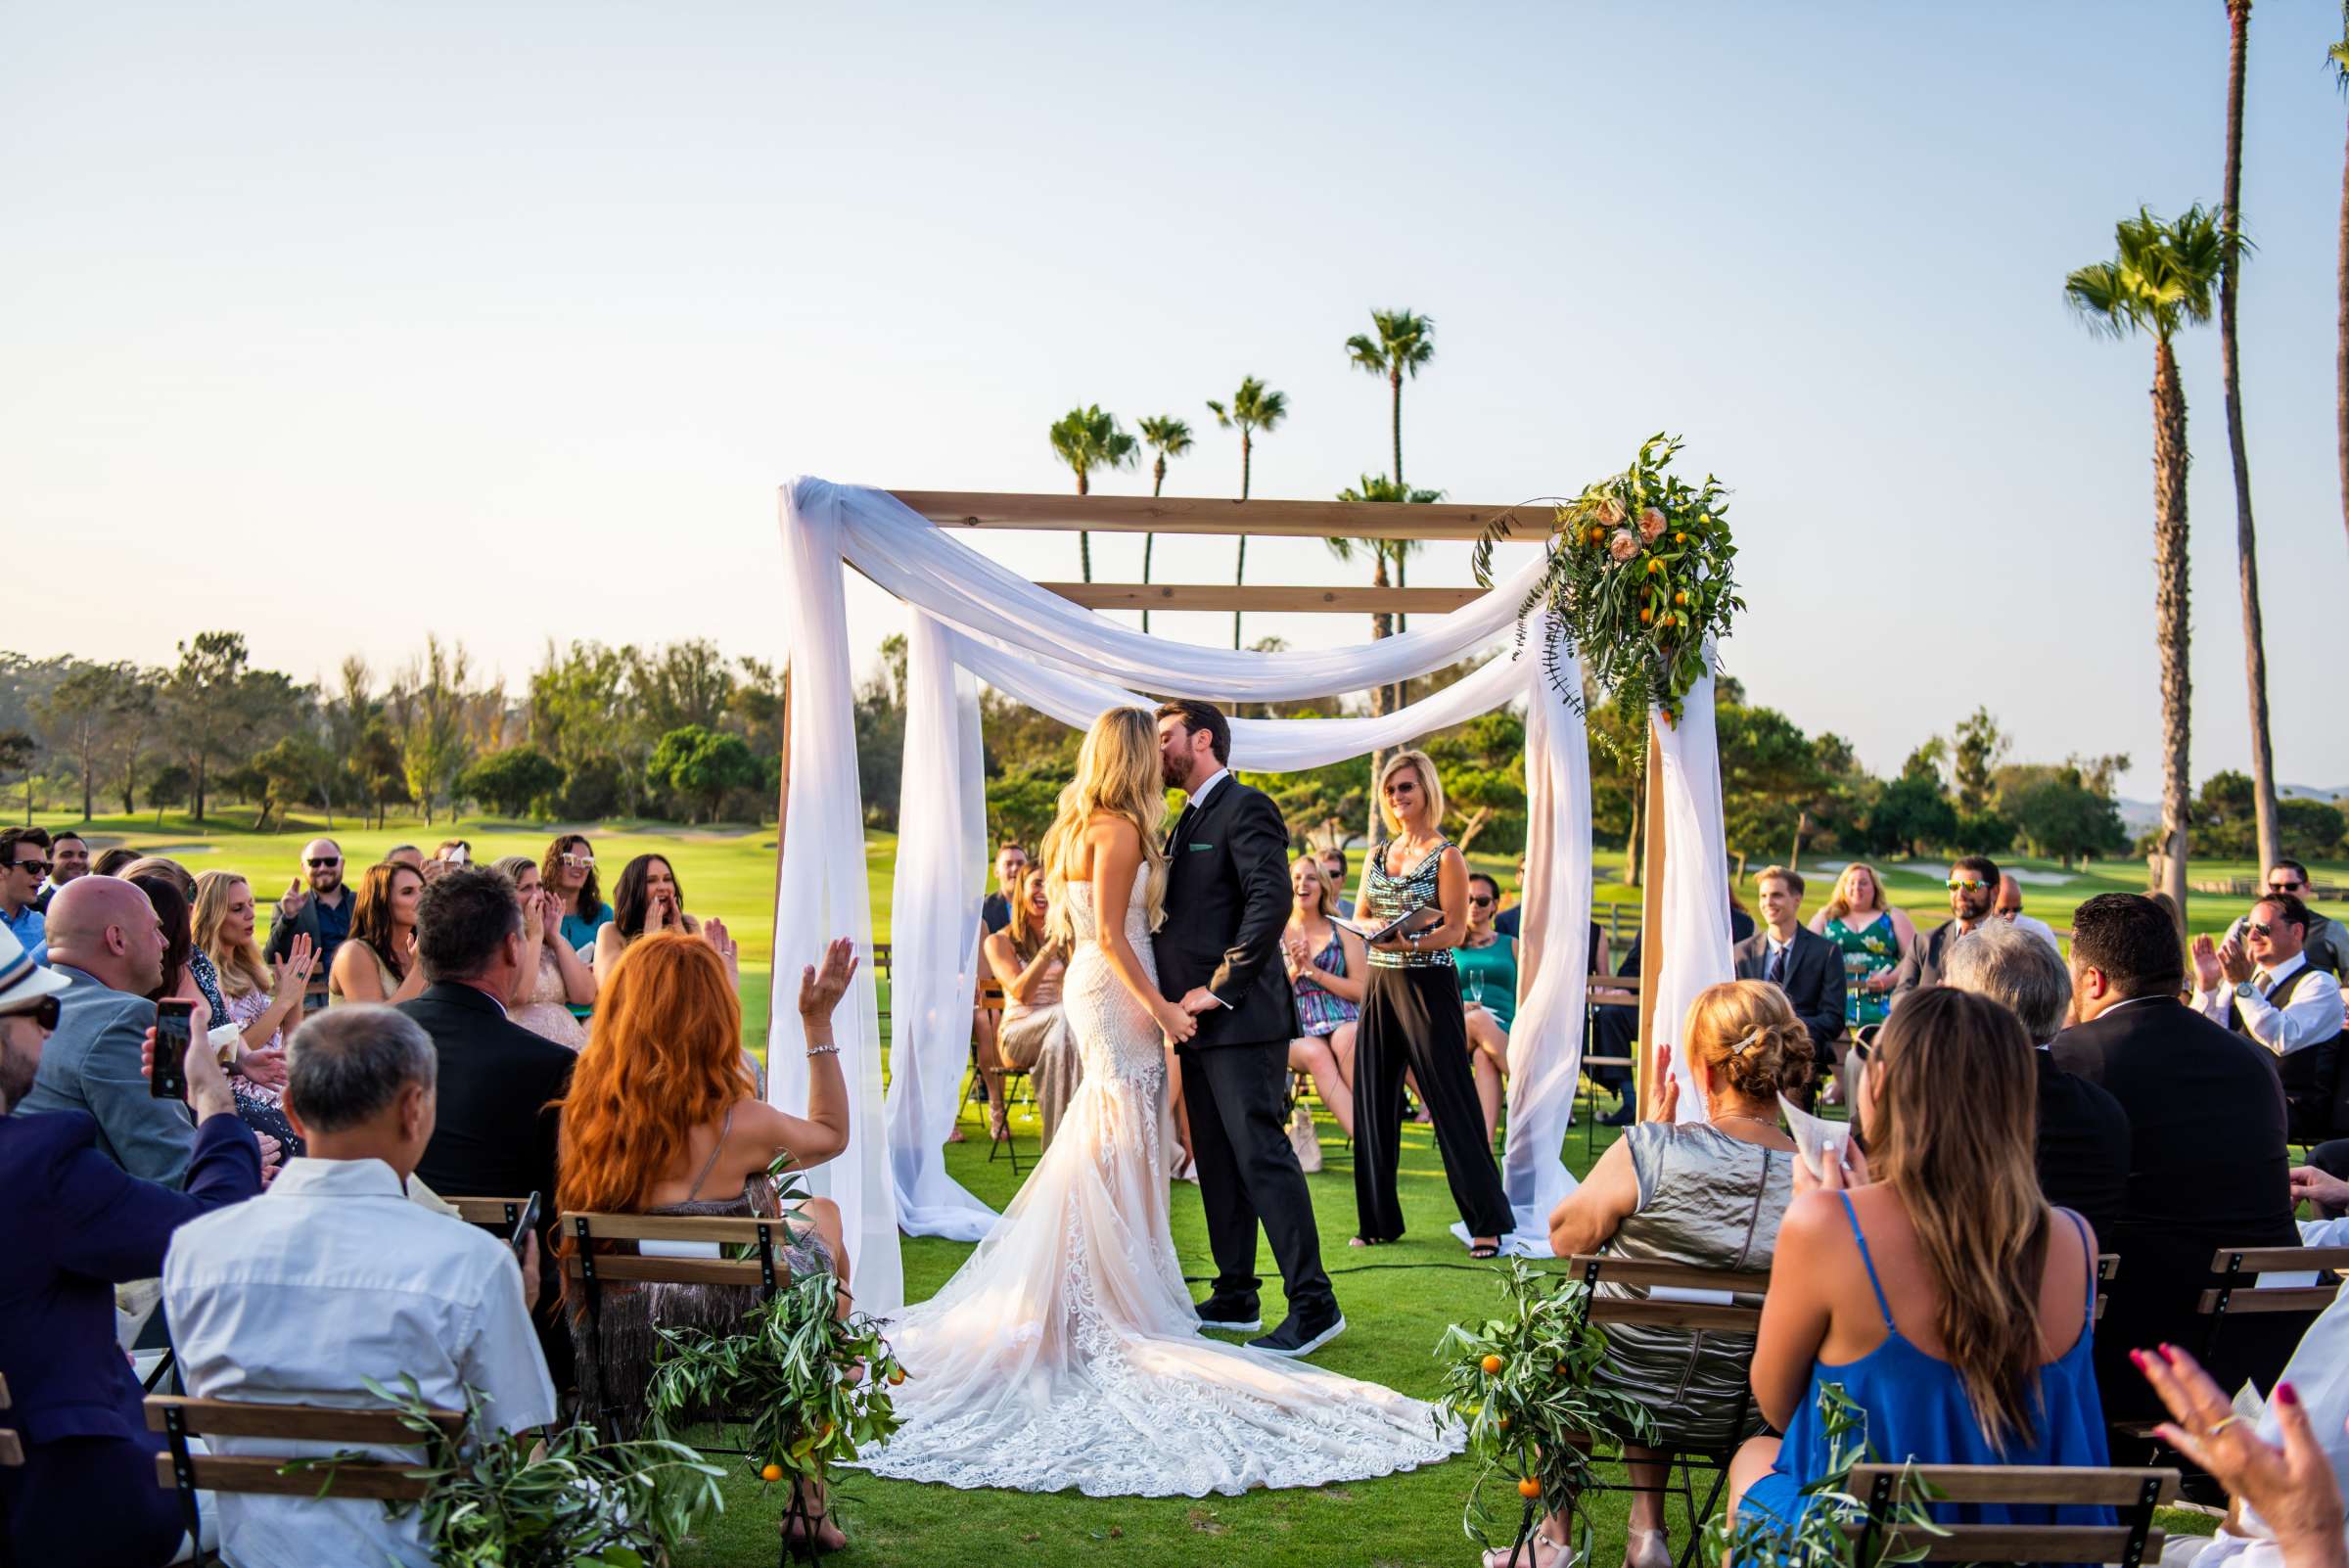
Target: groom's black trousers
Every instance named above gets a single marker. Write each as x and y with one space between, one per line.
1234 1096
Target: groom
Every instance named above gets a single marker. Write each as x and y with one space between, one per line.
1227 901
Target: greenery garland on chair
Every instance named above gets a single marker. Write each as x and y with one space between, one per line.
1522 1384
1639 575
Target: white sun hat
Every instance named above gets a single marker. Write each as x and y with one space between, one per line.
22 981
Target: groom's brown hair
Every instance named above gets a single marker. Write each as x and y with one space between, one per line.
1197 715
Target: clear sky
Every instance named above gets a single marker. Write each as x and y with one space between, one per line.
340 323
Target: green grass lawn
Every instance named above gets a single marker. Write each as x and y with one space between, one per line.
1397 1307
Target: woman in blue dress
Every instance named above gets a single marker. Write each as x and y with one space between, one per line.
1949 1301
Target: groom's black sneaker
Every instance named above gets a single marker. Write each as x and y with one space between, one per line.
1231 1313
1306 1331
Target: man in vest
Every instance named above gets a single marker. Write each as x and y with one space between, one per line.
2262 985
2328 944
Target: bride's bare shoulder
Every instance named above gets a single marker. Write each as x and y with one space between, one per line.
1108 830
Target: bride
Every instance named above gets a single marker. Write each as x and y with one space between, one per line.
1065 1350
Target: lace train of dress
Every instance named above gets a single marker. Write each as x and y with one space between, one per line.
1066 1350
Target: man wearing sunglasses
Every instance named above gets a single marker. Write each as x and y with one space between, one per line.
1973 889
318 906
2328 944
23 864
2262 987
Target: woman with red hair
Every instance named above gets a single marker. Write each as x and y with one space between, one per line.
662 1117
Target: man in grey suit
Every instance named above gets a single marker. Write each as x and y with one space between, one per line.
1973 889
105 939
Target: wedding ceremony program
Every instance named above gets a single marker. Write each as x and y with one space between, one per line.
746 813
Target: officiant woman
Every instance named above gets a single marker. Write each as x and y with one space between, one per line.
1412 1018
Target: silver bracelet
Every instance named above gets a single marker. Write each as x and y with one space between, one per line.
823 1050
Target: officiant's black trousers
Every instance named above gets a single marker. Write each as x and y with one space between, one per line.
1233 1095
1412 1018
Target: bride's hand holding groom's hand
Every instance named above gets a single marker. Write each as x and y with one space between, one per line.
1176 1021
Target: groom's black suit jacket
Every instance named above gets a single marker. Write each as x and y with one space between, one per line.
1227 901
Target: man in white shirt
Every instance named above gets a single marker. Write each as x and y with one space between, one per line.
2261 986
2010 908
334 1274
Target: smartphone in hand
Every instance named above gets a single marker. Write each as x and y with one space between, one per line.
525 1223
173 1018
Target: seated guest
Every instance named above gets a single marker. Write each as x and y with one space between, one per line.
494 1134
1973 889
106 940
2207 1162
1333 865
2082 1146
406 854
74 1227
569 873
2262 987
451 855
263 1006
1487 962
1034 1036
68 857
662 1118
1873 933
376 961
1952 1305
1706 1193
1614 1021
557 982
23 867
318 904
646 901
1326 965
335 1276
2286 1475
2326 947
2010 908
1802 963
109 863
1011 874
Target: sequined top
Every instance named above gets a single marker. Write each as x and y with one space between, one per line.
1392 898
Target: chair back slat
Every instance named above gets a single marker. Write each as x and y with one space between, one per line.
11 1447
1683 1277
717 1227
2135 1493
1729 1318
1995 1544
307 1423
2278 1259
1688 1316
625 1270
499 1214
2276 1299
2080 1484
261 1473
2108 1267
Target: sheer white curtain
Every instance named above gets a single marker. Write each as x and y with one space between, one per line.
1696 901
979 618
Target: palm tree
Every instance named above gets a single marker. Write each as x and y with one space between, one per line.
1087 439
1253 408
1168 436
1373 487
2160 280
1405 341
2246 557
2340 56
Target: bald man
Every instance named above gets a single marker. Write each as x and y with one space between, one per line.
105 939
317 905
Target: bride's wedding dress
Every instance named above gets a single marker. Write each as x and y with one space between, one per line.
1066 1350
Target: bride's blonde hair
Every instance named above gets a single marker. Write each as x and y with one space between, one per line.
1118 774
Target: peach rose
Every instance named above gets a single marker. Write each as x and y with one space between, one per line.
1610 511
1651 523
1622 546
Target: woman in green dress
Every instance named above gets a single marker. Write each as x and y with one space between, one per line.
1872 934
1487 962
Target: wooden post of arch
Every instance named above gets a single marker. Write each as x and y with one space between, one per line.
1651 925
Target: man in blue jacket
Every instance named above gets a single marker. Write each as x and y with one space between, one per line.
74 1225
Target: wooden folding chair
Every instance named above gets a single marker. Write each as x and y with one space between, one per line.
497 1216
1699 1318
592 1270
183 1470
2238 1293
2134 1494
1630 984
990 998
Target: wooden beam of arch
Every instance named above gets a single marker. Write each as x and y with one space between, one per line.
1267 598
1144 514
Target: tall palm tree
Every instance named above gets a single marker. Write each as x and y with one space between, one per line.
1168 436
2340 56
2161 279
2255 649
1405 341
1253 407
1374 488
1087 439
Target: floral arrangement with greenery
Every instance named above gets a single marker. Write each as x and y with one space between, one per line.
814 1385
1522 1384
1639 575
1828 1535
502 1503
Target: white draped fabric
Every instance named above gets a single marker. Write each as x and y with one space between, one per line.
976 619
1696 911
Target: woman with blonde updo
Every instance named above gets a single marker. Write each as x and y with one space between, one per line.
1708 1192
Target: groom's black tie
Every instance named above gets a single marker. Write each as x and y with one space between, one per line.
1174 834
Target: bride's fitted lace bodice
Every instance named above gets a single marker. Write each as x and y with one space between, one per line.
1115 1034
1065 1350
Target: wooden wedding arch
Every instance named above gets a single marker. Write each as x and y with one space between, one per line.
1210 516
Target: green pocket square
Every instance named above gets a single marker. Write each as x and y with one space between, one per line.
1197 847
